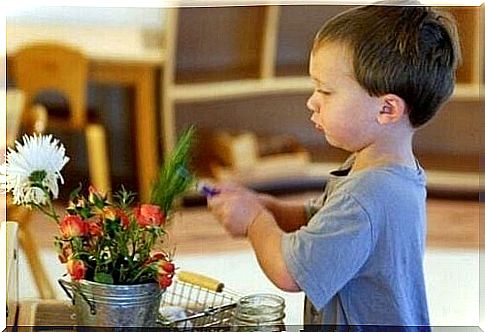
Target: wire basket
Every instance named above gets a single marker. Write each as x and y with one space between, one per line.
198 301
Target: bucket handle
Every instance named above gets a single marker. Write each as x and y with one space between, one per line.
200 280
69 286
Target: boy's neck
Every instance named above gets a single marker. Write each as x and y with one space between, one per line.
385 152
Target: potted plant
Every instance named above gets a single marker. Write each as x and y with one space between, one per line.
107 245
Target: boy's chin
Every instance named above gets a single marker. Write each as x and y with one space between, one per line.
338 145
333 143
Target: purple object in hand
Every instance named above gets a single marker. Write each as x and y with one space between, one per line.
207 191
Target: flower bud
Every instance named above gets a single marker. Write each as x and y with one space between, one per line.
124 220
156 256
109 213
76 268
112 213
165 267
95 197
165 281
65 252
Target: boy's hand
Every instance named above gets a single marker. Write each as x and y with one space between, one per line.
235 208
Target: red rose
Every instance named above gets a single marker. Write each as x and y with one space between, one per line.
95 229
159 255
76 268
124 220
149 215
165 271
94 225
72 226
165 281
165 267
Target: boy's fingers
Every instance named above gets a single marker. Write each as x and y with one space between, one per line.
216 199
218 202
213 202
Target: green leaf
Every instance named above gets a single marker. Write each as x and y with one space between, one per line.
103 278
85 212
172 181
98 201
75 192
124 197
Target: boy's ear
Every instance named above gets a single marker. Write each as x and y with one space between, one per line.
392 109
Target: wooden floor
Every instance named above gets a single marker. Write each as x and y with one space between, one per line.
451 224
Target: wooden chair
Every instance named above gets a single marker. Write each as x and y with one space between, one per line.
47 67
15 101
33 119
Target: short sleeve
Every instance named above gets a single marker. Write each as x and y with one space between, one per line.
324 255
312 206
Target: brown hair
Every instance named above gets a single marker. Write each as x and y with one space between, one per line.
410 51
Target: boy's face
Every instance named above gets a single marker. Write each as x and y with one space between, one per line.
340 107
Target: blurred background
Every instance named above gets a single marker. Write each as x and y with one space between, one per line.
129 80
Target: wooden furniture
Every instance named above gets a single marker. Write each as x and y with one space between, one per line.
245 68
50 315
12 291
116 55
15 102
142 77
43 67
34 120
228 156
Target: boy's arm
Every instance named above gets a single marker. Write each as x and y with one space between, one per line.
265 236
243 214
289 216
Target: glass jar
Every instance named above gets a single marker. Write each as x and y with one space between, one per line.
259 312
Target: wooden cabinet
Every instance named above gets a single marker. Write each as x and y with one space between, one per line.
242 67
468 22
218 44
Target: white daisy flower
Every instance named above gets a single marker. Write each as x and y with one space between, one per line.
31 172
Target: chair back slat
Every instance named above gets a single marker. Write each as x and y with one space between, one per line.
44 67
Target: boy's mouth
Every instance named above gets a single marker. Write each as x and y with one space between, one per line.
319 128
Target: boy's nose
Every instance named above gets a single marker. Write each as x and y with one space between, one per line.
310 103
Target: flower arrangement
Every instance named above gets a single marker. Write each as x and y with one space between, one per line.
104 240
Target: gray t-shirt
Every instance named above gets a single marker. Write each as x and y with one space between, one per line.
359 259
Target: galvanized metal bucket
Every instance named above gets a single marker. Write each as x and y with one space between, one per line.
104 305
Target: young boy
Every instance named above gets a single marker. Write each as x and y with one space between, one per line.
380 73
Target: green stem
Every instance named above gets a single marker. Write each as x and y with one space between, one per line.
139 273
52 214
134 243
47 213
97 257
51 206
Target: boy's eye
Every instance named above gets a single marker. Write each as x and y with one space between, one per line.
323 92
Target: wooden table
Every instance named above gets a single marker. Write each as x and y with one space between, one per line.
117 56
45 315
